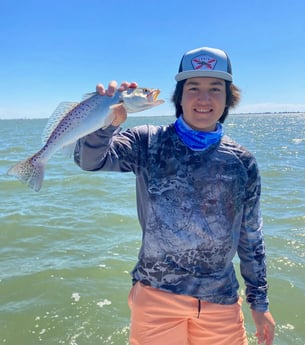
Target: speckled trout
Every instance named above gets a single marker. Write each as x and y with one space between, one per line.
71 121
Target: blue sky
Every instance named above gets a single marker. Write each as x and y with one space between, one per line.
58 50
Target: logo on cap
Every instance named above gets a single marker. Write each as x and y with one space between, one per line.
204 62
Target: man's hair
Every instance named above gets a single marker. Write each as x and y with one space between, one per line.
232 98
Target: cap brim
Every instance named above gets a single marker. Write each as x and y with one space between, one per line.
211 74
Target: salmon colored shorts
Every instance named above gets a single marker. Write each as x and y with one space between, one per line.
162 318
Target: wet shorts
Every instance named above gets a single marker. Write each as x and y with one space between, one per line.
162 318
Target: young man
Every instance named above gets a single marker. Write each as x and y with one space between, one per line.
198 198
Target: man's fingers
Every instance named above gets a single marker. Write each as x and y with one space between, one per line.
264 336
260 337
133 85
269 336
111 88
100 89
126 85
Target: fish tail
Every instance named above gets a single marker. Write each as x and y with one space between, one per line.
29 171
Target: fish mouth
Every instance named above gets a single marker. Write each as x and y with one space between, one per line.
153 95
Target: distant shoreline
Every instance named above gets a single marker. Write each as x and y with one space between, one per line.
168 115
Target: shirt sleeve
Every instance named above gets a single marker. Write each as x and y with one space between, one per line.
110 149
251 249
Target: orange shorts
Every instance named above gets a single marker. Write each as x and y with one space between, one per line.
162 318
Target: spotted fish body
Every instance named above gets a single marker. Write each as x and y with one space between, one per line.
71 121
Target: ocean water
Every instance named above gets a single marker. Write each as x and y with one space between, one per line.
66 252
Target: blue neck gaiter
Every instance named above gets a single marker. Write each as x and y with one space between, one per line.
197 140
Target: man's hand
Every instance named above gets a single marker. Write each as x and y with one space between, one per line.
119 111
112 86
265 326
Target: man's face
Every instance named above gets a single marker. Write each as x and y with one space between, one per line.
203 102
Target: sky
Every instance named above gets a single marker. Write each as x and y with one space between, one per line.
57 50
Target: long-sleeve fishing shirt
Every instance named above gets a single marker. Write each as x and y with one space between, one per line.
197 209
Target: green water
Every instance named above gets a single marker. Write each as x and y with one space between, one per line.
66 252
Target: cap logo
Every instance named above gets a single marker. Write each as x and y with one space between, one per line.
204 62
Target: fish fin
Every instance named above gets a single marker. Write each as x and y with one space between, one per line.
108 120
68 150
59 113
30 172
111 115
88 95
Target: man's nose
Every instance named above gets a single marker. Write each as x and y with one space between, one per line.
204 96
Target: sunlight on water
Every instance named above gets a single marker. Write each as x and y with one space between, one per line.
66 252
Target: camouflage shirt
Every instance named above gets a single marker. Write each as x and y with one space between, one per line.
196 210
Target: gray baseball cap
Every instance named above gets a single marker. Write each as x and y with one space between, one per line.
205 62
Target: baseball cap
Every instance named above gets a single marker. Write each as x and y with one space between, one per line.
205 62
